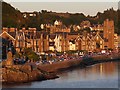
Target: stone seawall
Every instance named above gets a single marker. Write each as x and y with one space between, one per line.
55 67
58 66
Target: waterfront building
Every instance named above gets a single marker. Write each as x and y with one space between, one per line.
58 46
108 33
99 41
90 42
116 41
60 40
59 27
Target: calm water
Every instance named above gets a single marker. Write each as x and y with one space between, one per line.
104 75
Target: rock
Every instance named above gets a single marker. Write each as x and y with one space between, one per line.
17 67
35 75
22 77
50 76
16 76
23 73
4 74
25 68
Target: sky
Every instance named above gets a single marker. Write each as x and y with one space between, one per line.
88 7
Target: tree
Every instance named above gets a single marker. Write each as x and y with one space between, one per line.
31 54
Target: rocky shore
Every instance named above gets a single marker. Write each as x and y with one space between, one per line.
24 73
31 72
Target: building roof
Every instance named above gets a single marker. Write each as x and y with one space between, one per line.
11 37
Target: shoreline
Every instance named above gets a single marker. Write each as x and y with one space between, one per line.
50 71
65 65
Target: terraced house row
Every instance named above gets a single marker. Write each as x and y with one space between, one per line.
61 39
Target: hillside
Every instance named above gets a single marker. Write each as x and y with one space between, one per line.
12 17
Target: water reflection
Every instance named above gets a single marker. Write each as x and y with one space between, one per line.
104 75
99 71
